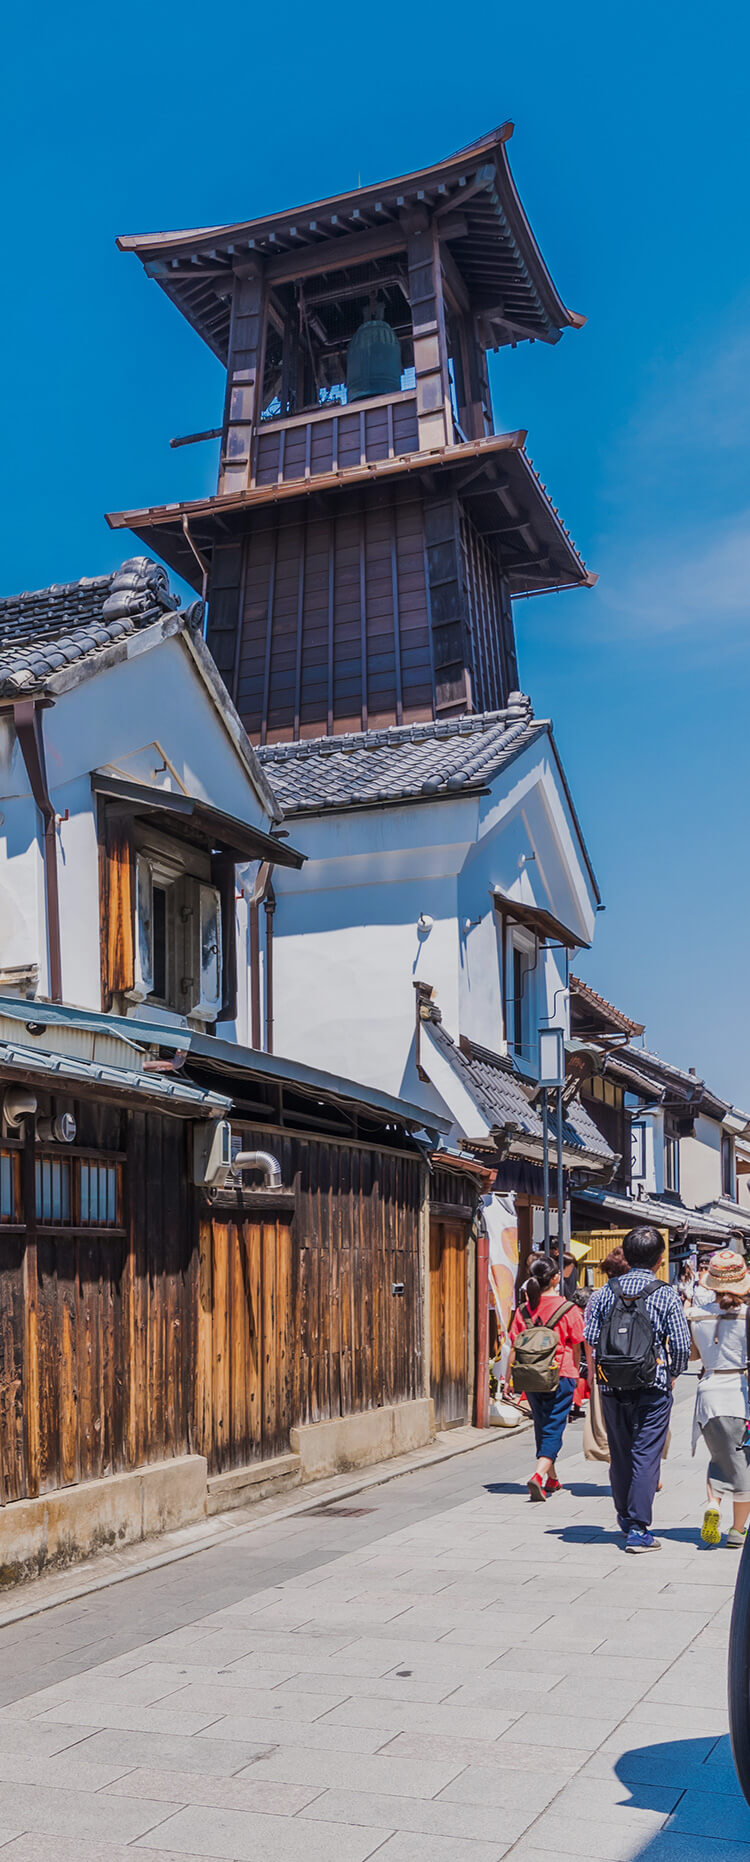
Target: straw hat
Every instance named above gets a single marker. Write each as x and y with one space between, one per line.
727 1273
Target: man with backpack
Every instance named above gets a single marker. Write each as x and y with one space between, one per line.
637 1343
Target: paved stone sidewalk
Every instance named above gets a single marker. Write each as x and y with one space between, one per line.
446 1675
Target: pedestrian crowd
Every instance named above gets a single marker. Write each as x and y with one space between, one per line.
619 1361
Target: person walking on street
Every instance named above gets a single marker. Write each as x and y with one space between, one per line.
552 1330
721 1333
637 1344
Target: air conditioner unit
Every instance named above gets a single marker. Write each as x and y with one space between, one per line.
212 1153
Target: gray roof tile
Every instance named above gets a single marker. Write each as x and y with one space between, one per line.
403 763
502 1096
42 632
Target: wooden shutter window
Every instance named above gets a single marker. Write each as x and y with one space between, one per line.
117 907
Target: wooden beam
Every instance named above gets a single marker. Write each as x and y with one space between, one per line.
333 254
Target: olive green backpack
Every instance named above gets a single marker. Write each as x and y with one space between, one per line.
535 1367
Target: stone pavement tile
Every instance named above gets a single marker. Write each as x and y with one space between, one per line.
276 1735
669 1722
280 1703
239 1793
33 1847
409 1716
482 1822
35 1741
218 1759
171 1718
497 1628
589 1797
404 1846
575 1731
499 1687
396 1685
673 1764
436 1746
702 1812
511 1787
394 1777
622 1835
70 1770
248 1836
78 1813
707 1688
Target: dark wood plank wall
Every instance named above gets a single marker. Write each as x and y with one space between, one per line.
335 620
188 1326
298 1321
332 442
449 1321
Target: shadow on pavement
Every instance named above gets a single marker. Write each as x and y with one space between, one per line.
694 1780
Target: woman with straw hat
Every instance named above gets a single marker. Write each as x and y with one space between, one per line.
720 1327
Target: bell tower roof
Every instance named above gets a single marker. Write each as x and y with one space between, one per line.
471 196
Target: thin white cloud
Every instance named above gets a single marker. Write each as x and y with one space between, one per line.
684 582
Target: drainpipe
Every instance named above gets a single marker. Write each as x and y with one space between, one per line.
269 904
27 718
482 1370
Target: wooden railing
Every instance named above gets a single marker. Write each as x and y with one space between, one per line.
330 439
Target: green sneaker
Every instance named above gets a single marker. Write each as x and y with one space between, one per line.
711 1529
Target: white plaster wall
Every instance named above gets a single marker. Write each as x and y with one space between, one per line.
347 949
700 1164
113 719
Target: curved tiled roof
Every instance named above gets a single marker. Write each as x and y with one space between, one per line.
404 763
503 1098
51 628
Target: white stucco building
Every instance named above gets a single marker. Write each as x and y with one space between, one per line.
446 882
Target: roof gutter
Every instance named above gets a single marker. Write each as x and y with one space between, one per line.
27 718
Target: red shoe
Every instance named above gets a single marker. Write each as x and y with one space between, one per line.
536 1490
552 1485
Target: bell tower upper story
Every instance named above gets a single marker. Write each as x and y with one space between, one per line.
369 527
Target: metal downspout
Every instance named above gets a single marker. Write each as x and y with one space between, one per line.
27 718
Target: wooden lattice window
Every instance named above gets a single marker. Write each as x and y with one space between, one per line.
99 1197
8 1187
54 1201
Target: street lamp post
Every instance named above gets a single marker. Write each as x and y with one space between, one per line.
552 1076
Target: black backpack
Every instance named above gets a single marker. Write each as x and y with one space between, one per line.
627 1355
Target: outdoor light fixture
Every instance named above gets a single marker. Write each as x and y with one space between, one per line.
425 922
551 1057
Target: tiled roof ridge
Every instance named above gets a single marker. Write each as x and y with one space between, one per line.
470 724
45 630
592 995
647 1055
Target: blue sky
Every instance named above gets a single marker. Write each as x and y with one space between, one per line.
631 155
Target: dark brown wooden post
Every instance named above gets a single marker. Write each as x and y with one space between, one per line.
434 416
244 377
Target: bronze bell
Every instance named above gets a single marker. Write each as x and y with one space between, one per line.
373 363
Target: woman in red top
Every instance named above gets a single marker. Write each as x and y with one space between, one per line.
541 1299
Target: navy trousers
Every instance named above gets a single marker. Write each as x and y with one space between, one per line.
637 1424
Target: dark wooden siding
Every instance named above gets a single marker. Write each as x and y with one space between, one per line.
169 1324
335 628
449 1321
297 1318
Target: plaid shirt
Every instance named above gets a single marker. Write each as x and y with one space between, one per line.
664 1308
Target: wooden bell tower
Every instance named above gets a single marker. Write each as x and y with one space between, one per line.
362 548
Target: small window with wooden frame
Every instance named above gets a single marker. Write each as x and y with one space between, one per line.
167 921
82 1191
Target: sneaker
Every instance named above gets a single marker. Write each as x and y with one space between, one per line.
640 1541
552 1485
736 1539
711 1529
536 1490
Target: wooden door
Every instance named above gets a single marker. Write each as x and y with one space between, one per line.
449 1322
